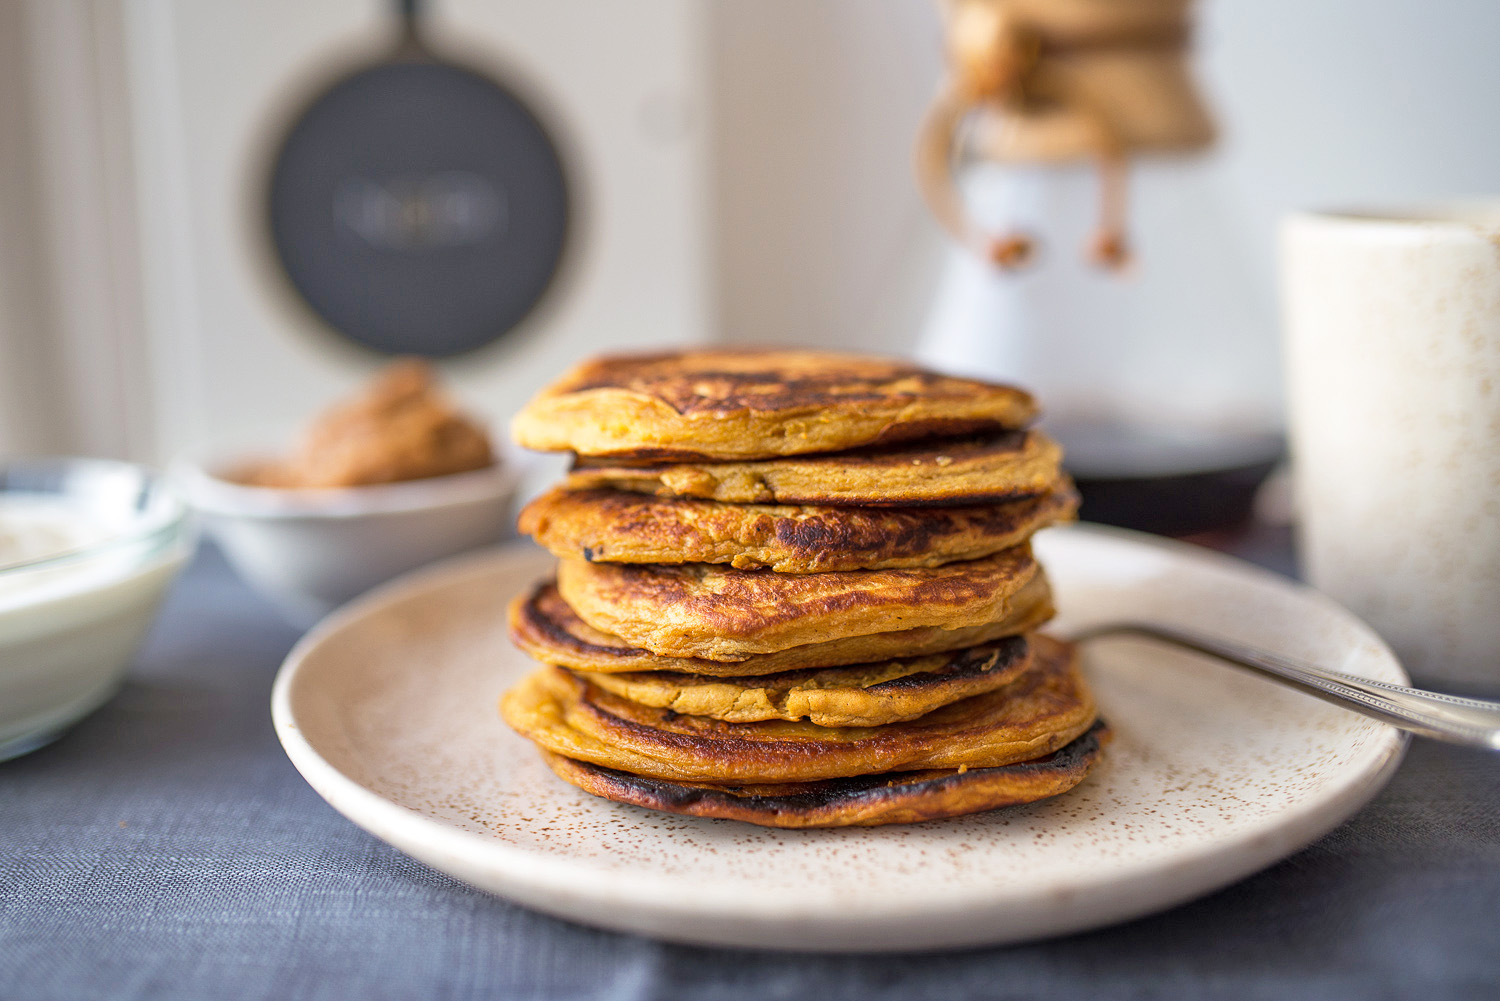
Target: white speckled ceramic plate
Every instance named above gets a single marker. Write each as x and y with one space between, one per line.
388 710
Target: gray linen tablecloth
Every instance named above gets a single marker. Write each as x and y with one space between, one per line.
167 849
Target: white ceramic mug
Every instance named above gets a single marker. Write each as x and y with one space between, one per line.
1392 342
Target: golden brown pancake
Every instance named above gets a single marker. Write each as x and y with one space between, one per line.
545 627
961 472
616 526
1039 712
858 801
891 691
726 404
720 613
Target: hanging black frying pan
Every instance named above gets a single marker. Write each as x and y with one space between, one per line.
417 205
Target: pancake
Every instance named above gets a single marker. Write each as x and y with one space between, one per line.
859 801
725 404
615 526
891 691
719 613
546 627
1042 710
962 472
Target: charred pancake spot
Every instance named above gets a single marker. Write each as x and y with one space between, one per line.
935 428
539 616
1000 443
1009 654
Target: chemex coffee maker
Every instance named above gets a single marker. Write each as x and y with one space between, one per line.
1038 93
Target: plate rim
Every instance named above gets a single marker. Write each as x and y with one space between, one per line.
640 903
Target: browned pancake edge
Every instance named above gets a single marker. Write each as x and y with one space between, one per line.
861 801
960 472
545 627
742 404
720 613
604 525
1037 713
854 695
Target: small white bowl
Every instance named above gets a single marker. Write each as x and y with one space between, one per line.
71 622
309 551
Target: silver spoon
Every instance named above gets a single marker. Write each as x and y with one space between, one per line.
1472 722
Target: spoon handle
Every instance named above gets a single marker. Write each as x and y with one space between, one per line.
1474 722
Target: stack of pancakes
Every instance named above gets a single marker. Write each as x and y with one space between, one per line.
796 589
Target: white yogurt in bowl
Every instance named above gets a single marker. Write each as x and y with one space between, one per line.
87 548
37 527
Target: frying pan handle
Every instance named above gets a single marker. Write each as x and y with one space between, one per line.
409 12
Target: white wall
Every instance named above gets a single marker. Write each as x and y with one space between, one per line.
1331 102
821 237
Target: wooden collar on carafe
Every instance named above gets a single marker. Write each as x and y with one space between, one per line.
1041 63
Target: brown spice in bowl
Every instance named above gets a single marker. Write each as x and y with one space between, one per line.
401 427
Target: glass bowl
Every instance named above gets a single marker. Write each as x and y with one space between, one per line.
87 549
